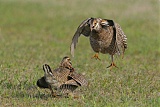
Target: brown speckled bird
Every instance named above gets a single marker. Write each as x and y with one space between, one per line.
63 79
105 36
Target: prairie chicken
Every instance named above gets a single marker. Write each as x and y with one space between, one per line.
63 79
105 36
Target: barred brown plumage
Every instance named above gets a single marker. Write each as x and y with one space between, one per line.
61 74
69 86
105 36
79 78
63 79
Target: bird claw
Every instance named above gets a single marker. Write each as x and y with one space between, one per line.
112 65
96 56
54 94
73 96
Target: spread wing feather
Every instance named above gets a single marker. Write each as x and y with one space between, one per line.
79 79
72 82
84 28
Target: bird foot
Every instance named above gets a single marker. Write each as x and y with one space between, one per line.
112 65
54 94
73 95
122 56
96 56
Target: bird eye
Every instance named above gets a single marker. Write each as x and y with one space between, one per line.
69 59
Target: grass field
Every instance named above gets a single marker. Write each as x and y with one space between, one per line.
35 32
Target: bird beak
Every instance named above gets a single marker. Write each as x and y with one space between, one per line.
94 27
70 62
91 28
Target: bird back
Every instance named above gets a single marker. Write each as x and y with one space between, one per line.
61 74
79 78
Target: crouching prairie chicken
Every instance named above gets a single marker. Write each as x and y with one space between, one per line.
63 79
105 36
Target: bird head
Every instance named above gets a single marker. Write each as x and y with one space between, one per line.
66 63
95 24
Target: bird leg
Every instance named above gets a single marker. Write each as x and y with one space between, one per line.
122 55
96 56
112 64
52 93
73 96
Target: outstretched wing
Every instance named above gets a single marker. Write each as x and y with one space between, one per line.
79 78
84 28
72 82
69 86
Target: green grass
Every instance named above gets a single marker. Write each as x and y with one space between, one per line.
33 33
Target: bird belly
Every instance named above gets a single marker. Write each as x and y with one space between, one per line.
103 41
100 45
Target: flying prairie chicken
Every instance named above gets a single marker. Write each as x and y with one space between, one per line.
105 36
63 79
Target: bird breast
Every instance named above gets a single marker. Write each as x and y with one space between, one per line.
101 39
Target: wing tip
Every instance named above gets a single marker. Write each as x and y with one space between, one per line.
72 49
